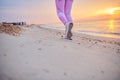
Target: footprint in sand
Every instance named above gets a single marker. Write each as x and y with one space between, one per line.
93 77
34 74
78 43
118 51
46 71
102 71
21 45
4 54
39 41
40 49
26 62
104 46
93 44
65 46
65 74
62 36
58 33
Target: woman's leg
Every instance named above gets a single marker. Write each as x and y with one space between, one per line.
69 24
60 4
67 9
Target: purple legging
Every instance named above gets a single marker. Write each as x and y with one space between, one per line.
64 10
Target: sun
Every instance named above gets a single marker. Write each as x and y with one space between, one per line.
113 10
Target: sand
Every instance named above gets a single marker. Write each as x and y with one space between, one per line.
10 29
41 53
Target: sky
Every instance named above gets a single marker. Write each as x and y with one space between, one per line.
44 11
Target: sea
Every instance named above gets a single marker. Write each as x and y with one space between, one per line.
105 28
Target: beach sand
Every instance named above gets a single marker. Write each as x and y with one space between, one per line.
41 53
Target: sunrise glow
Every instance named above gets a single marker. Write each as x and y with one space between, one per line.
109 11
112 11
32 12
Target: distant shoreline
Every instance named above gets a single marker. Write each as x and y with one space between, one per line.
92 33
